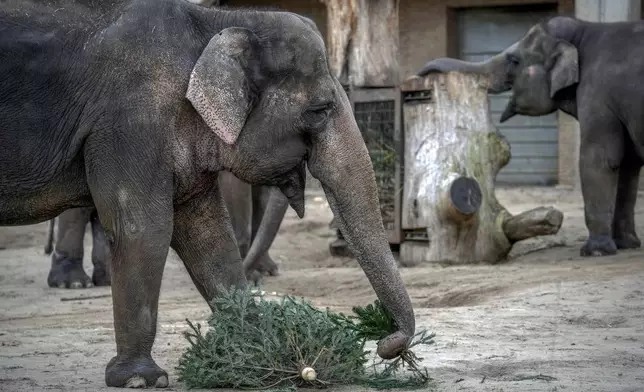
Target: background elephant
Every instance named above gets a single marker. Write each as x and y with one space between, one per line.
135 106
262 207
588 70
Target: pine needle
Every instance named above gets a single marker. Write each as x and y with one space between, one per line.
255 343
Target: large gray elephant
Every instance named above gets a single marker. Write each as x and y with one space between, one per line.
256 213
590 71
135 106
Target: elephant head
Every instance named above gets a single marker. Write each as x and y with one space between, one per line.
536 67
264 89
530 95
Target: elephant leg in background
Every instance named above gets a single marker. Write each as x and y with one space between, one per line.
339 247
237 197
67 259
601 153
101 276
261 196
205 241
624 232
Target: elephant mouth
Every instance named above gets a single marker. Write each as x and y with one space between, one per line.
506 85
293 188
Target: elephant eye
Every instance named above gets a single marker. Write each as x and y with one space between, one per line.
513 60
316 115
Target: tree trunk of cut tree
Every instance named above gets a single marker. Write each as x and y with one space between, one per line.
363 41
453 153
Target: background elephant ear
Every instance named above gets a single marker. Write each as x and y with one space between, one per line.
565 69
219 87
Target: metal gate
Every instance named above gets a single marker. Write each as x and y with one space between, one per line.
377 113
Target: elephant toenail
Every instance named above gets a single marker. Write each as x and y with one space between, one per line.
136 382
76 285
89 285
61 285
162 382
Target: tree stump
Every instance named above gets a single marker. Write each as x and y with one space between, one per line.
453 153
363 41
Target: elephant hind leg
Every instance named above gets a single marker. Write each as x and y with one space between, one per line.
67 259
624 220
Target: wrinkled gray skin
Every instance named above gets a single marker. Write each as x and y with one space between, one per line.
262 207
592 72
134 107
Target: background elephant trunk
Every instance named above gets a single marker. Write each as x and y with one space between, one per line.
340 160
49 245
268 228
494 67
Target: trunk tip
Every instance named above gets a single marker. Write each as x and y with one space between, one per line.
393 345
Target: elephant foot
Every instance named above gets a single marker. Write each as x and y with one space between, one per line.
340 248
101 276
67 273
627 241
267 265
598 245
141 372
254 277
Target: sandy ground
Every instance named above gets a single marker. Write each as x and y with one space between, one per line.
547 320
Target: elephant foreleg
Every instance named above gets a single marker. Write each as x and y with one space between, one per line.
624 221
67 259
136 209
204 239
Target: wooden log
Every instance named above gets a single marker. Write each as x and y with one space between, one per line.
535 222
453 153
363 41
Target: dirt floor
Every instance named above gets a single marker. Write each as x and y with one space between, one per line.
547 320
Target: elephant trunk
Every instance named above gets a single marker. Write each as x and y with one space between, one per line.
268 228
340 160
49 245
495 67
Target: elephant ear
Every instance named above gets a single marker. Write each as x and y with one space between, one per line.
219 88
564 71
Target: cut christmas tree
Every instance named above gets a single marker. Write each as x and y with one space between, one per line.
256 343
